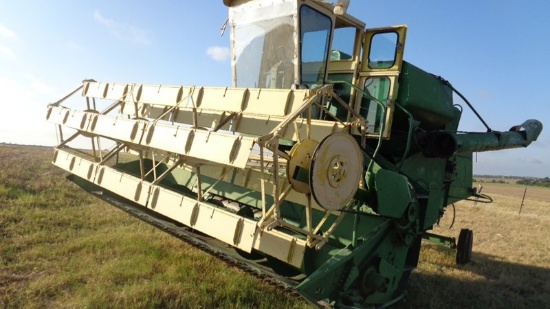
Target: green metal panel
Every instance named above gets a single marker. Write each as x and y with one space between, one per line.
393 193
425 96
461 187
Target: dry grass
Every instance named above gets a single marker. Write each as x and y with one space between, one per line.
62 248
511 255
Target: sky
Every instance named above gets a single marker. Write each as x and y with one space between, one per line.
493 51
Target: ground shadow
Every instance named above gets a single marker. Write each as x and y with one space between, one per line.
486 282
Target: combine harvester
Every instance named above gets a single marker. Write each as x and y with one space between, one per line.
321 167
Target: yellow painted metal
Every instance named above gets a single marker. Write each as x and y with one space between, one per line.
391 73
203 217
233 135
232 150
228 134
299 165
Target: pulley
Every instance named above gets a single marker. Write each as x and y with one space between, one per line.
297 169
335 172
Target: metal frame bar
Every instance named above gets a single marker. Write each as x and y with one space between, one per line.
272 161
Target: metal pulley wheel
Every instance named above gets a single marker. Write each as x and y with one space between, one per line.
335 172
297 169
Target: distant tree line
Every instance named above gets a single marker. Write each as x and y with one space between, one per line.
491 181
541 182
526 181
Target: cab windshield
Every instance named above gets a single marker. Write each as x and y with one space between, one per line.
315 32
274 49
264 47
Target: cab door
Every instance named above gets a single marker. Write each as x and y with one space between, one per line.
380 68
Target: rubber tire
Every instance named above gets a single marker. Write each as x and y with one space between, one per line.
464 247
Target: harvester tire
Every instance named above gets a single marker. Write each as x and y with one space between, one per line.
464 247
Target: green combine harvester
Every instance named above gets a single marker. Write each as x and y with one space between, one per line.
324 166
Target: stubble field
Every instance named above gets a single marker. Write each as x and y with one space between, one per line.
511 254
60 247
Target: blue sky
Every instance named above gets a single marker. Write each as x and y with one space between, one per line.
494 52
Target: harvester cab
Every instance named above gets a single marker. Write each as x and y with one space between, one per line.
309 44
323 166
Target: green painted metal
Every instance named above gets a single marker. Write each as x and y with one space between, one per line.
394 194
410 195
425 96
440 240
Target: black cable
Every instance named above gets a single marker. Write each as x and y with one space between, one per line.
445 82
481 196
454 216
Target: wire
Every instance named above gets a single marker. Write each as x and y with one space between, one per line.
487 198
454 216
446 82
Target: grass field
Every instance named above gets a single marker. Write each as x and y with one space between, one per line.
62 248
511 255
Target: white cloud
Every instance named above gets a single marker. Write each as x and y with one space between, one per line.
37 85
7 32
25 113
123 31
218 53
6 51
